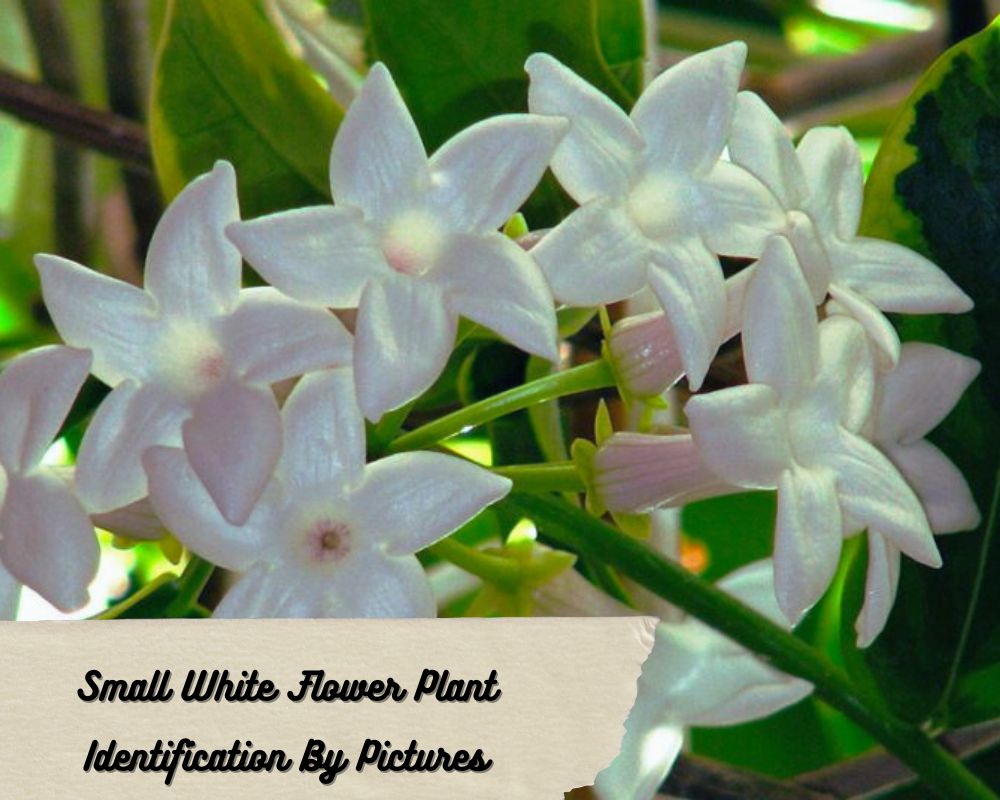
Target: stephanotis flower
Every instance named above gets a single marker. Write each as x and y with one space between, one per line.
413 242
694 677
190 358
330 535
821 185
656 202
47 542
912 400
794 428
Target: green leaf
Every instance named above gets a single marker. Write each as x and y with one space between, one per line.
462 61
935 187
226 87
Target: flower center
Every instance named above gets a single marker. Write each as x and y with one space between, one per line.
328 541
412 242
191 360
655 204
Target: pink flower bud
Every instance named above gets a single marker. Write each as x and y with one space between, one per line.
637 472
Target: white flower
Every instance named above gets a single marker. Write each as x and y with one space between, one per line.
794 429
46 539
913 399
694 676
656 201
330 536
190 358
413 243
821 185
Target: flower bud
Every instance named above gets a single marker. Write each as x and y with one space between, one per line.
644 354
637 472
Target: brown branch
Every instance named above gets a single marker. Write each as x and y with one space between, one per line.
124 69
696 778
107 133
879 772
50 36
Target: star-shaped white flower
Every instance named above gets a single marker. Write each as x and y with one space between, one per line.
912 400
189 359
656 202
694 676
413 243
794 428
821 185
47 542
330 536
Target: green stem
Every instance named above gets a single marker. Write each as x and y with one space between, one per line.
190 586
558 476
576 530
594 375
493 569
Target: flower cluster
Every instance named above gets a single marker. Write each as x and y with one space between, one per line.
362 313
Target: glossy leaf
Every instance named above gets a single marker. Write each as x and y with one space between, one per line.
226 87
935 187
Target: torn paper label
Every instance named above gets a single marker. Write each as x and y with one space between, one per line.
435 709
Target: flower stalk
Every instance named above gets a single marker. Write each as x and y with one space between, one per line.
586 377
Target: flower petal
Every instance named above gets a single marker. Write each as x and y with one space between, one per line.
271 591
923 389
741 434
137 520
685 114
408 501
37 390
807 539
324 432
896 278
192 269
492 281
181 501
598 154
938 484
10 595
880 331
376 585
753 584
47 540
688 283
702 679
378 162
872 493
109 465
648 751
404 335
320 255
881 583
636 472
595 256
484 174
368 585
270 337
233 442
846 374
759 142
832 165
110 317
737 211
780 336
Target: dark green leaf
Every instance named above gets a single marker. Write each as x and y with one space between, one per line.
226 87
935 187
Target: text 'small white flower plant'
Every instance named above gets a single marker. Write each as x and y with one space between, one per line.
316 521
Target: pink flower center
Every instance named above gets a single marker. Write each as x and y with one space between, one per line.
329 541
412 242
